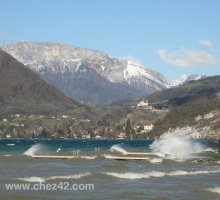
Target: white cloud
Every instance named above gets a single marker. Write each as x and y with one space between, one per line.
187 57
205 42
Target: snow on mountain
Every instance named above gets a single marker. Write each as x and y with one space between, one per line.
85 74
184 79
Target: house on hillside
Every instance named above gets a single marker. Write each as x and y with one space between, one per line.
143 103
148 126
121 135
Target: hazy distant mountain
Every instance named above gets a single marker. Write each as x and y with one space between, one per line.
185 79
23 91
87 75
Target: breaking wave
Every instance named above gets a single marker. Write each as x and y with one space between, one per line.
215 190
157 174
10 145
75 176
156 160
32 179
43 179
176 146
118 148
37 148
89 157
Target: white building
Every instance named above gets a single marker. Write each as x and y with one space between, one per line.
148 126
121 135
143 103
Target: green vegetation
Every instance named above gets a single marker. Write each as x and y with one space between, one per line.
206 88
184 115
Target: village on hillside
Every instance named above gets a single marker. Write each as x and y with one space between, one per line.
64 126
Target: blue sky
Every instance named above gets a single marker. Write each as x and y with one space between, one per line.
172 37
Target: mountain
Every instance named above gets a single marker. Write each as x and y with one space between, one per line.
23 91
200 119
87 75
185 79
194 109
205 88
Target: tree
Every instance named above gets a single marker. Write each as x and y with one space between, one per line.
128 128
44 133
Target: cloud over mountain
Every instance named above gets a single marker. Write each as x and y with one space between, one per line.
187 57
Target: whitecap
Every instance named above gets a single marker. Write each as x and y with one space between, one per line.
157 174
107 156
211 150
185 173
32 179
43 179
75 176
156 160
34 149
118 148
89 157
215 190
11 145
132 176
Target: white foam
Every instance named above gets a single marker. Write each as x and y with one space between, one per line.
34 149
215 190
177 146
118 148
32 179
157 174
108 156
210 150
7 155
132 176
43 179
75 176
11 145
156 160
89 157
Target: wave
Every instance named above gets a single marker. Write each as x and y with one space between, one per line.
156 174
118 148
177 146
32 179
44 179
215 190
132 176
11 145
211 150
89 157
156 160
34 149
75 176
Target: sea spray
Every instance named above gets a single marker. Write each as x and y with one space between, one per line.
118 148
37 148
176 145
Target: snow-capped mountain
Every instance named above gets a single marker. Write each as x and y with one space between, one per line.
87 75
185 79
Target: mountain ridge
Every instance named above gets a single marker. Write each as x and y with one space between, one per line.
23 91
68 69
185 79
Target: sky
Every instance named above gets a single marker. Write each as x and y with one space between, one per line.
172 37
